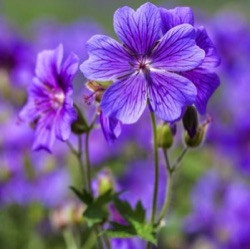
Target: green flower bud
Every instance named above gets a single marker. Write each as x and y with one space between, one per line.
164 136
197 139
79 126
190 121
105 181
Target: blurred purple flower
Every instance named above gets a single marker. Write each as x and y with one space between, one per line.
141 188
145 67
127 243
220 212
203 77
15 55
50 107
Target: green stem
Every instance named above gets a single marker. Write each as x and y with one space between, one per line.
178 160
80 162
170 170
69 239
156 167
87 163
168 197
98 229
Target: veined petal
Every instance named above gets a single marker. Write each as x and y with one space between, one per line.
212 58
45 134
169 94
108 59
48 65
68 71
138 30
126 99
64 120
174 17
177 50
206 83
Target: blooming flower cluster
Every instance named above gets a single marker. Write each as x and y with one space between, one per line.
163 60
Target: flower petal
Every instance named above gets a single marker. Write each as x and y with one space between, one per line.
177 50
206 83
64 120
212 58
45 134
68 71
174 17
138 30
108 59
126 99
111 128
169 94
48 65
29 112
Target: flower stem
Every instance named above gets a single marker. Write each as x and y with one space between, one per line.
98 229
87 164
156 167
80 162
167 198
178 160
69 239
170 170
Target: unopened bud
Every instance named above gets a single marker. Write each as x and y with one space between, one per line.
190 121
79 126
198 138
164 136
105 181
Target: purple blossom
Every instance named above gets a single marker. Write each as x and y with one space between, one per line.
15 55
50 107
220 212
145 67
203 77
111 128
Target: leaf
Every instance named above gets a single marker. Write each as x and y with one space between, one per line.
136 223
96 211
85 197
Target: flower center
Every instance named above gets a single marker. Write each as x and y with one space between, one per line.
143 65
57 99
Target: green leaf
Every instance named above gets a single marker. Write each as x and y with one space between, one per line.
96 211
85 197
136 223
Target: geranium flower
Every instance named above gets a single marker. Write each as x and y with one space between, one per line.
146 67
203 77
50 107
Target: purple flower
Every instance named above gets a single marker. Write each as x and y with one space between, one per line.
15 56
50 107
111 128
220 211
145 67
203 77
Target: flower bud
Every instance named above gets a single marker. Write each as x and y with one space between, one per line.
79 126
105 181
190 121
164 136
198 138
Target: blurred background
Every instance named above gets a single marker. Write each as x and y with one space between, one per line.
210 204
